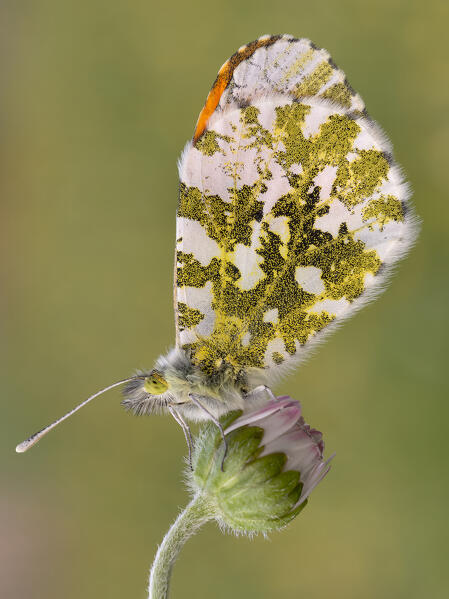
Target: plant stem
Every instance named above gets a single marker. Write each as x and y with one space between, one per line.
195 514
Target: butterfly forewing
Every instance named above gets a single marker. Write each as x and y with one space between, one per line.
291 214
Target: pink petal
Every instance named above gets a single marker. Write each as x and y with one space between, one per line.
279 423
253 417
315 477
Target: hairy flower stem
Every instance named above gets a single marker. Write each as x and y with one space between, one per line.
196 513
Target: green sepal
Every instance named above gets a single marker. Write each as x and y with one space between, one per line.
207 443
245 446
256 472
262 524
274 498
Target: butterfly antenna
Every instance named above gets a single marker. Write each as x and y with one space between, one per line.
25 445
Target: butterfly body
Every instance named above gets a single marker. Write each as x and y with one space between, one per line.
227 387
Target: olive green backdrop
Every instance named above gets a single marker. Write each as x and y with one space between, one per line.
97 101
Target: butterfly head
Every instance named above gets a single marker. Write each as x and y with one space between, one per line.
154 383
147 392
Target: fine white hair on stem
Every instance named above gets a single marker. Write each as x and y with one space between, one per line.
196 513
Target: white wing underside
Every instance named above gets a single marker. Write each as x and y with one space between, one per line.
287 228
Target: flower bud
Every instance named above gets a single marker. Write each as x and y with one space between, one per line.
273 462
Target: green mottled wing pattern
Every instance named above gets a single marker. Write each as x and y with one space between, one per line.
291 215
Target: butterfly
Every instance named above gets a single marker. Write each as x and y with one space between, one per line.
292 214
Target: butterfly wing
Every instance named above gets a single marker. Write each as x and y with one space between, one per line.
291 215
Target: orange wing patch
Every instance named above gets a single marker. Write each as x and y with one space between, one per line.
224 77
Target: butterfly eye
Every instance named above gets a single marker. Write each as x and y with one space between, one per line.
155 384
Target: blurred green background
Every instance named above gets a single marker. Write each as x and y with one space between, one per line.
97 101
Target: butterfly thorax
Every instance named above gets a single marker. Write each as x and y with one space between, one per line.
226 386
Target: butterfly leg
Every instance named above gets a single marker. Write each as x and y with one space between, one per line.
185 429
215 421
